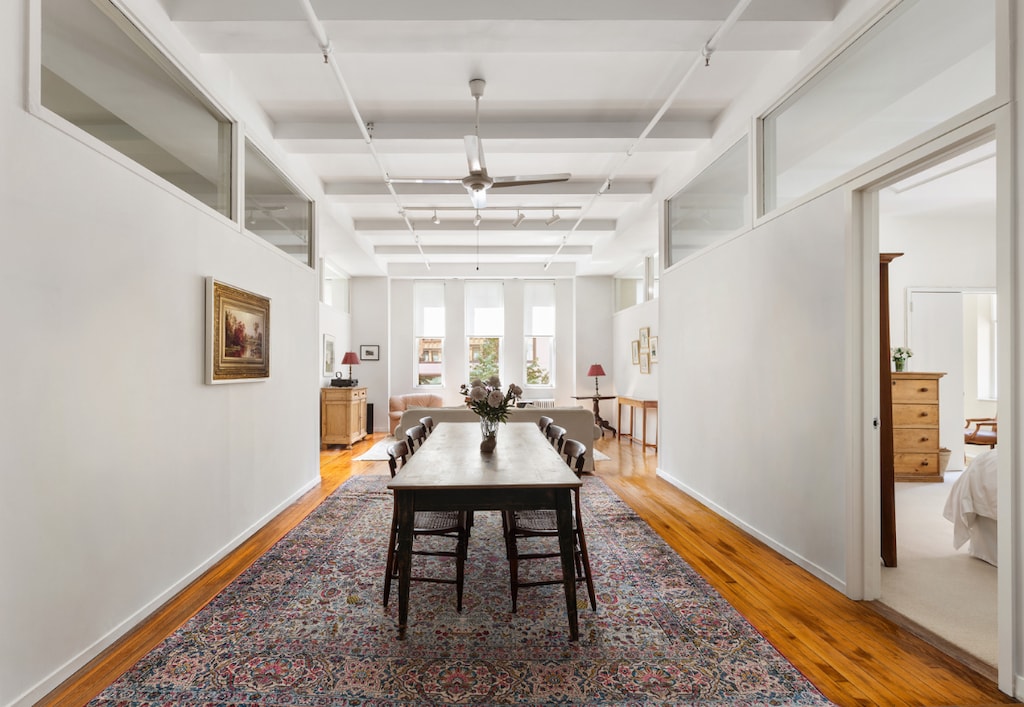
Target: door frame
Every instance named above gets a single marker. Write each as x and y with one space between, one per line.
863 567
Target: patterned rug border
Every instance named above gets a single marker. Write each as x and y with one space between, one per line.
304 626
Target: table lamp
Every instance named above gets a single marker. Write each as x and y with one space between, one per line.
350 357
596 370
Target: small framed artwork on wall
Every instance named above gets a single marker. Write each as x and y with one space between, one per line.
328 355
645 362
636 352
654 349
645 339
369 352
237 334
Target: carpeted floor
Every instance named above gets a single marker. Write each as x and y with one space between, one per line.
305 626
945 590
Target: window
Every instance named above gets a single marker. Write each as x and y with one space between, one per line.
485 324
102 75
274 209
428 330
924 62
987 342
539 331
715 204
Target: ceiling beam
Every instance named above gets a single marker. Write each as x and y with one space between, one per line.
396 225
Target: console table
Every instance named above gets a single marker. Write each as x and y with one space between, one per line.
644 406
598 420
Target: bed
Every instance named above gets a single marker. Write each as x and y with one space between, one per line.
971 507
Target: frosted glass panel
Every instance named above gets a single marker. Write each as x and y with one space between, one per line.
923 63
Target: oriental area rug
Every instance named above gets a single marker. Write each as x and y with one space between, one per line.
305 625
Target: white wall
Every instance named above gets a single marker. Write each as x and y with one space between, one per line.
122 475
630 382
370 304
753 416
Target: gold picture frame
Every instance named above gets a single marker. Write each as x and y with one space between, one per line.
645 362
237 333
645 339
635 346
654 349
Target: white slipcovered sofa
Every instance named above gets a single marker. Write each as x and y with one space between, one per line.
577 421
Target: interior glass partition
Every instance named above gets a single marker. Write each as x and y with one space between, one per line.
923 63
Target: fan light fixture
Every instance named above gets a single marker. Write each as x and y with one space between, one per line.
476 219
518 219
554 218
436 221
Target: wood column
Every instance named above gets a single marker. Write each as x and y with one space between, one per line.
887 474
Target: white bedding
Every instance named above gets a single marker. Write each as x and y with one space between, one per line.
971 507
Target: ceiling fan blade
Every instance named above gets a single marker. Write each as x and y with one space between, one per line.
423 180
478 197
475 155
524 180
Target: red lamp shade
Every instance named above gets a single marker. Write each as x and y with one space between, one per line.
350 357
595 370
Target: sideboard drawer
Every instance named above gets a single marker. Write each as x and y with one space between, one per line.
915 416
915 391
917 465
916 440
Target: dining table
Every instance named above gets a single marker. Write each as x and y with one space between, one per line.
449 472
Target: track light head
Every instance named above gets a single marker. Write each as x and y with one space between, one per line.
436 221
555 218
518 219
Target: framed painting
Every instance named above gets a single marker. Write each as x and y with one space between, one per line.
645 339
237 334
635 346
369 352
645 361
328 355
654 349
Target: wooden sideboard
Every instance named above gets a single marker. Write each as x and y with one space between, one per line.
342 415
915 426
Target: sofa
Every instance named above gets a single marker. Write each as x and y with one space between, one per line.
398 404
577 421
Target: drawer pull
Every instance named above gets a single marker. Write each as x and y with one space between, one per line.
924 439
924 462
922 390
923 414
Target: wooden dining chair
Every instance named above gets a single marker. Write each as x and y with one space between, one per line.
416 436
555 435
985 431
543 422
428 424
449 524
520 525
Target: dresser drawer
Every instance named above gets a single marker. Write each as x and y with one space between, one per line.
915 391
916 464
915 416
915 440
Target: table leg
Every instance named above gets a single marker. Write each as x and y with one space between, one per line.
567 545
600 421
403 559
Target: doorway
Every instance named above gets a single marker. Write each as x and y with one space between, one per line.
943 220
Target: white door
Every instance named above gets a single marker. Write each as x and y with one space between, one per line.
935 333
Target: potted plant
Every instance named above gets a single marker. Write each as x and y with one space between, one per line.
900 354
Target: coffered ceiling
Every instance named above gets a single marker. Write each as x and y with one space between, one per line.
616 94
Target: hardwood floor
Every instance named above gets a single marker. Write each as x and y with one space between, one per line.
852 653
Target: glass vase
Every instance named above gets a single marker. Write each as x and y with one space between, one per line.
901 364
489 435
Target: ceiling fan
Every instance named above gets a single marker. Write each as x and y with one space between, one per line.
477 182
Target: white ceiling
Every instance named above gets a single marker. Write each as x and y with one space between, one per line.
572 85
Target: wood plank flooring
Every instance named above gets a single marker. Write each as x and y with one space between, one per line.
852 653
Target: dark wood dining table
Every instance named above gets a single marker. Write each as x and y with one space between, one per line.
449 472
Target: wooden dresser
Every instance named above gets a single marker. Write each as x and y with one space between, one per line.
342 415
915 426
